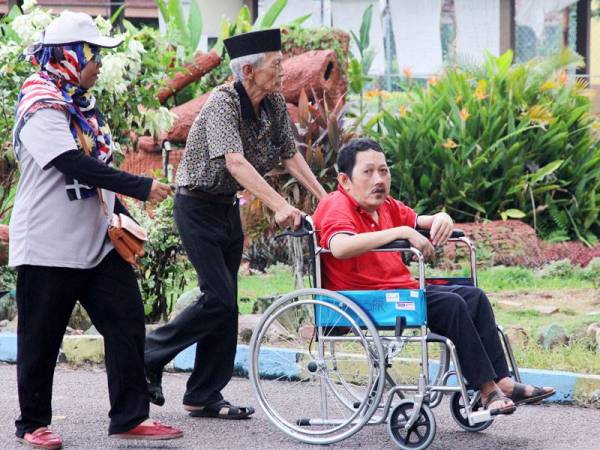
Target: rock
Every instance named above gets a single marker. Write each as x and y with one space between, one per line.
593 329
307 332
185 300
262 303
3 245
142 163
509 242
203 63
150 327
509 304
83 349
247 323
11 326
546 310
553 335
316 69
517 336
79 318
8 307
91 331
4 322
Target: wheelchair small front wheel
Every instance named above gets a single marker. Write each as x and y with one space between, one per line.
420 435
459 413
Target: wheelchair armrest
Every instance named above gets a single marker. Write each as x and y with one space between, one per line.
400 244
456 233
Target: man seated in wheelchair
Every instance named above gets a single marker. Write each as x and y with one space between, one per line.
361 216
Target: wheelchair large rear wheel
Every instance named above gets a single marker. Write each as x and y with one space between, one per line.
315 365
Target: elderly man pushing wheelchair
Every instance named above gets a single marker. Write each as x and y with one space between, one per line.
361 216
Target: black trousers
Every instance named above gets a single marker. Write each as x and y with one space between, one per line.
109 293
212 237
464 315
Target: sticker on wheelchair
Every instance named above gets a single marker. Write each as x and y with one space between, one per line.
406 306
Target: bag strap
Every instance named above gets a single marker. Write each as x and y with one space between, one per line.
88 151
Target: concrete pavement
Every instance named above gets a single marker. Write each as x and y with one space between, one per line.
81 406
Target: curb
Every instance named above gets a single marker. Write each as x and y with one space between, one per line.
570 387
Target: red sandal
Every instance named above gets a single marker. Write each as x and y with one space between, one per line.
155 431
42 438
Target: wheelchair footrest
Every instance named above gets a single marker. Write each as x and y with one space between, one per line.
479 417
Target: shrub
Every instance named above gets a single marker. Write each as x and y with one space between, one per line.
500 141
8 279
162 270
129 80
558 269
592 272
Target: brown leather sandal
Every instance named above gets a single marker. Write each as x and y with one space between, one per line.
519 397
495 396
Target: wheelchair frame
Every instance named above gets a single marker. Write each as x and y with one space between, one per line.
405 416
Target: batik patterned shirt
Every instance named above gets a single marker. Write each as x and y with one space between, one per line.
228 124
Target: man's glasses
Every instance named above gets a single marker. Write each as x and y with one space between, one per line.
96 58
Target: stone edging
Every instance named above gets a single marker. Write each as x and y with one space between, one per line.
570 386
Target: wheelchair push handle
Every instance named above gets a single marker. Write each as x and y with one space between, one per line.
305 229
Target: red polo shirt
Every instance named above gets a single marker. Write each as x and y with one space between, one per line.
338 213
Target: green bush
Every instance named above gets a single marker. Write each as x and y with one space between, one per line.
558 269
129 81
8 278
592 272
163 269
500 141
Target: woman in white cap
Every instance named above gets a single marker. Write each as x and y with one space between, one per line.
58 240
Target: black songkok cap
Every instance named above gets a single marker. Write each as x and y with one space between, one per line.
253 43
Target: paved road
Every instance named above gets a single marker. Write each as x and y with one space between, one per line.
81 405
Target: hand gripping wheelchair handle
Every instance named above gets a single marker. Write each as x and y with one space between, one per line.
305 229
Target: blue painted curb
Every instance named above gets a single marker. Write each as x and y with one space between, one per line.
282 363
8 347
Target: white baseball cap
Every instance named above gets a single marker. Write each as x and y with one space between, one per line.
71 27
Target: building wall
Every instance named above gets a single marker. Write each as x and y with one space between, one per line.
595 48
213 11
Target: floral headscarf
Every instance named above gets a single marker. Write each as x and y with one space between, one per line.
56 86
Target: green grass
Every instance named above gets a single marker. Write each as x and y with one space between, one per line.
278 280
502 278
576 357
579 356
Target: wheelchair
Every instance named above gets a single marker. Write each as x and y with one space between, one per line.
333 352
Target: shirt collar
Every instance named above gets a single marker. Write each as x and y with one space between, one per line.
245 103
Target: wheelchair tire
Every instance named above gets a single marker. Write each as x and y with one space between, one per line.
457 408
321 350
420 435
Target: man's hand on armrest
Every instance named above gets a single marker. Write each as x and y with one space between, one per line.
344 246
440 224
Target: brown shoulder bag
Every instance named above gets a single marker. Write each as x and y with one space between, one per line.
126 235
